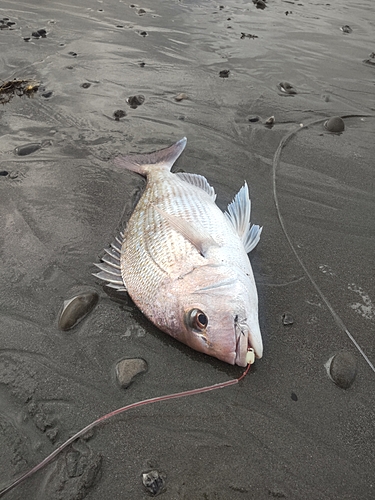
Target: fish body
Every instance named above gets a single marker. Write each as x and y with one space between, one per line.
184 262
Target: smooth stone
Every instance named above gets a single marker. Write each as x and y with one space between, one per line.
335 124
343 369
287 319
120 113
76 308
286 88
181 97
128 369
153 481
3 173
27 149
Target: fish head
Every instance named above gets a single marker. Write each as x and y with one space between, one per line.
218 313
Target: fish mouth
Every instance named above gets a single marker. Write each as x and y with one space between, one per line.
248 339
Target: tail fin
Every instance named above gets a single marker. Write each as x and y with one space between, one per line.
143 163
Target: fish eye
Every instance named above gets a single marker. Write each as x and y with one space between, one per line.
197 320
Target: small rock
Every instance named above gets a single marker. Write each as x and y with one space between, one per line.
120 113
135 100
294 396
224 73
270 122
153 481
253 118
286 88
287 319
142 64
75 309
128 369
143 33
27 39
346 29
180 97
335 124
35 34
3 173
42 33
342 369
47 94
141 12
73 54
85 85
260 4
27 149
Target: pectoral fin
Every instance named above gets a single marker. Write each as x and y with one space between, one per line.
191 232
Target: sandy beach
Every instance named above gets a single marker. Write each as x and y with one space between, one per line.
286 430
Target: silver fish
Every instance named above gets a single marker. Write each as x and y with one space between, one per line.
184 262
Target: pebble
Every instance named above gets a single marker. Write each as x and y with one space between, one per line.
76 308
270 122
85 85
253 118
342 369
71 53
180 97
143 33
224 73
27 149
286 88
128 369
135 100
346 29
47 94
287 319
119 113
153 481
335 124
3 173
294 396
260 4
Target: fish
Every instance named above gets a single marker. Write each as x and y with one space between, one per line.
185 263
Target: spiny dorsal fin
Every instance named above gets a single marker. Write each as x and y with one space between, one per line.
238 214
198 181
193 233
143 163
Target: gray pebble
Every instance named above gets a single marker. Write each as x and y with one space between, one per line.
27 149
153 481
75 309
128 369
335 124
343 369
287 319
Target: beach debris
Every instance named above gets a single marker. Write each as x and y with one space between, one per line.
346 29
248 35
224 73
119 113
342 369
335 124
270 122
76 308
20 87
287 319
135 100
181 97
286 88
253 118
128 369
153 481
260 4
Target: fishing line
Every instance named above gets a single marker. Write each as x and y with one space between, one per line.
275 165
113 413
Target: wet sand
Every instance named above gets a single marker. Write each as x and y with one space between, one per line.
286 430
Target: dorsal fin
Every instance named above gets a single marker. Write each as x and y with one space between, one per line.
238 214
143 163
198 181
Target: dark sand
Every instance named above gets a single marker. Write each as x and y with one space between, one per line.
286 431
